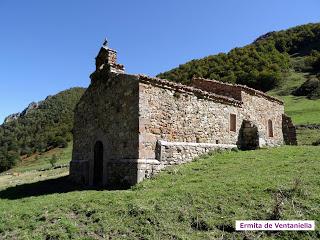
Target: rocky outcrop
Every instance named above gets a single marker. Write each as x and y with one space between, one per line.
30 107
15 116
12 117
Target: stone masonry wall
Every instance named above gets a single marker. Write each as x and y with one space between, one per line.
172 116
169 115
146 124
217 87
108 112
259 110
289 131
174 153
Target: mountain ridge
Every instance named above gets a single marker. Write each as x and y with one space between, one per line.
39 127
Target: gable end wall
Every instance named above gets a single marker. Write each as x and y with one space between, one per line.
108 112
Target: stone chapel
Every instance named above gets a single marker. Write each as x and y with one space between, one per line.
128 127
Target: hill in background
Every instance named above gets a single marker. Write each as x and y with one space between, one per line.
263 64
39 128
285 64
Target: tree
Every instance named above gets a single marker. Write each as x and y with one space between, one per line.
47 126
53 160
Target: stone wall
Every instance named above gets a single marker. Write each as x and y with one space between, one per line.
229 89
168 114
108 112
174 153
217 87
259 110
146 124
107 60
289 131
172 116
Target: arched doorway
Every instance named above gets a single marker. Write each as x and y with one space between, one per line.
98 164
248 136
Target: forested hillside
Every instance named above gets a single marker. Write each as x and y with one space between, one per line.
262 64
42 126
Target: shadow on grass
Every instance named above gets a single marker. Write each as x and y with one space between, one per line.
46 187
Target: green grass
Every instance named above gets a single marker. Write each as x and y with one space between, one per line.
302 110
307 136
37 162
200 200
290 82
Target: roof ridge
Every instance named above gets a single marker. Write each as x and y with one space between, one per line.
182 87
243 87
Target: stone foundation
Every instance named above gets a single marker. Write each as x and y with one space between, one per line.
173 153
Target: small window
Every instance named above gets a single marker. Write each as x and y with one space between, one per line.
270 128
233 122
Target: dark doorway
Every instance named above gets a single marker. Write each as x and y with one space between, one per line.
98 164
248 136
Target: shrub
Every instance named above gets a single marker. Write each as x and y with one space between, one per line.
53 160
59 142
316 143
309 88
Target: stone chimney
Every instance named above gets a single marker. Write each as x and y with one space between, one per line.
107 57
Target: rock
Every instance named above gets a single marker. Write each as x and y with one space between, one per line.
12 117
30 107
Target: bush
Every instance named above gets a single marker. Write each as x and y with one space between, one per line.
310 88
59 142
316 143
53 160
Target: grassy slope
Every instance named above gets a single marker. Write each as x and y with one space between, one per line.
28 170
37 162
300 109
193 201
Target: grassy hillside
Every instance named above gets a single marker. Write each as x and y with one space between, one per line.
42 161
301 109
38 167
200 200
40 128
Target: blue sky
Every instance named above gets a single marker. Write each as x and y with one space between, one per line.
49 46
